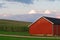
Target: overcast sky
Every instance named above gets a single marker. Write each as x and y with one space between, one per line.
15 7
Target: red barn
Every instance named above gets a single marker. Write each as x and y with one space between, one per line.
45 26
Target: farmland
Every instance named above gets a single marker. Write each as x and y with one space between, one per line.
11 27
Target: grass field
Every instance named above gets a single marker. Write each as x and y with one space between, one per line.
16 38
15 33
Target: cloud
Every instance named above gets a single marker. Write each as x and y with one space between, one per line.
58 16
51 0
32 12
1 5
22 1
40 12
47 12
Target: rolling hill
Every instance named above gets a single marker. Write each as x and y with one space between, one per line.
12 25
13 22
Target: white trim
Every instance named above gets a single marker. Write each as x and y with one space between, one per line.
40 18
34 21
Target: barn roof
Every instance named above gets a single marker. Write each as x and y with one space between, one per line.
54 20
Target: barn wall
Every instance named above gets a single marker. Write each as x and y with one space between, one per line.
57 30
42 26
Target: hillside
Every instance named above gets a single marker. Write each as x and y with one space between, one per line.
12 25
13 22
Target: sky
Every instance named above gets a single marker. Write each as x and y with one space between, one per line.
19 7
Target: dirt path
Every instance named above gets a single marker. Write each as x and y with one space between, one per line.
28 36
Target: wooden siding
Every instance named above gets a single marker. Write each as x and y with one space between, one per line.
57 30
42 26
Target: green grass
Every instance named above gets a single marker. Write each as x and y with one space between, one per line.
15 33
16 38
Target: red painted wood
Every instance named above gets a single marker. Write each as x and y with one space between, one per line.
42 26
56 29
59 30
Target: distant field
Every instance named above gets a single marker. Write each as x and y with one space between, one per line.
10 23
14 26
16 38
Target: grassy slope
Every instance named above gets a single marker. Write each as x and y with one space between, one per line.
13 23
16 38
